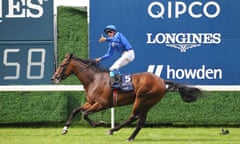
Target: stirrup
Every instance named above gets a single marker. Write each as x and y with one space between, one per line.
115 83
115 80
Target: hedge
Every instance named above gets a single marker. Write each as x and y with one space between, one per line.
31 107
217 108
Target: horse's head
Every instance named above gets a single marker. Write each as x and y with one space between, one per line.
80 67
63 70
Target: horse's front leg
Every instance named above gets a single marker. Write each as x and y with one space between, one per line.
73 114
94 108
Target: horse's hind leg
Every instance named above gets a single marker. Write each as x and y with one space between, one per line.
140 124
118 127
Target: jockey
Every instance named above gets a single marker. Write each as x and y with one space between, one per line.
117 42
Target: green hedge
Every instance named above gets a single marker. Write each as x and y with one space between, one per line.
217 108
32 107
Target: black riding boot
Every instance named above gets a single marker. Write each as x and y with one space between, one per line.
115 80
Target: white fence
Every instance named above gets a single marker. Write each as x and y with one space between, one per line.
80 87
41 88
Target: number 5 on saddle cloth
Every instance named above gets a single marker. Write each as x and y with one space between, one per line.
122 82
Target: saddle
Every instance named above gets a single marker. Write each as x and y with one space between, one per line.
124 83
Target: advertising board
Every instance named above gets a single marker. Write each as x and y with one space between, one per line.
26 42
195 42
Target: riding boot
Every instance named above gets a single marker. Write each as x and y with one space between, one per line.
115 79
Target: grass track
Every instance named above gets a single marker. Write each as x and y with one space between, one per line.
86 135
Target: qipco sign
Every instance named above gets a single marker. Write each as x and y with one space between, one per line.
175 9
26 41
195 42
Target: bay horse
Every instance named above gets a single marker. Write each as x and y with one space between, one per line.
148 90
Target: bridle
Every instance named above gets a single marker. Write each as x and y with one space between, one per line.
60 73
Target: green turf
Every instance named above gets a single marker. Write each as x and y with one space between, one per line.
87 135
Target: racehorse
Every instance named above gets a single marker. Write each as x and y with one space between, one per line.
148 90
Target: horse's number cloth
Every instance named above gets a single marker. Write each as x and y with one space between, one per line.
126 83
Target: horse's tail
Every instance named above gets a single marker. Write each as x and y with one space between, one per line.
188 94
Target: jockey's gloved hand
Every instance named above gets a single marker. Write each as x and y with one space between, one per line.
97 60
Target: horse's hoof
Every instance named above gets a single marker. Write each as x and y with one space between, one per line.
102 123
110 132
64 131
130 140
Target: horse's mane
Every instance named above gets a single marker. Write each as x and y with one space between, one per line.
98 67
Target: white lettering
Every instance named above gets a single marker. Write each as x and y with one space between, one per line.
157 9
200 73
11 64
181 8
1 10
217 38
191 6
22 9
31 64
149 38
169 9
14 10
213 15
158 69
158 14
184 38
34 7
39 64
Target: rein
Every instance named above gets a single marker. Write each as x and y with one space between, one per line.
83 69
80 65
64 68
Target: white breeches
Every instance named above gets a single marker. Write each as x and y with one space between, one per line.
126 58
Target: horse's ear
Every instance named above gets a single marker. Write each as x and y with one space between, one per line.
71 55
68 56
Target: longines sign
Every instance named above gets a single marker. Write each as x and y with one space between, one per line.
189 41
